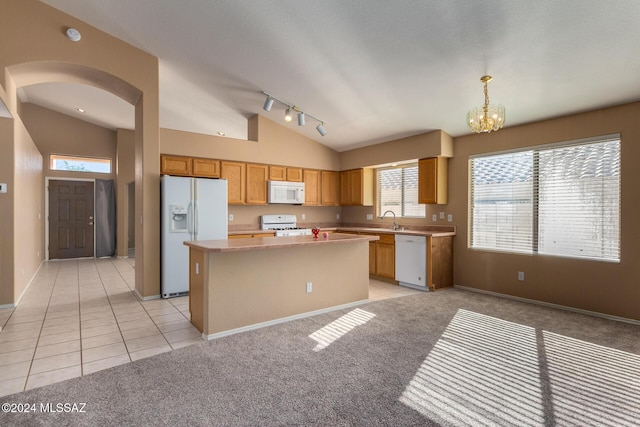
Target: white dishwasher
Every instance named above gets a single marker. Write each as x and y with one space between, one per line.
411 261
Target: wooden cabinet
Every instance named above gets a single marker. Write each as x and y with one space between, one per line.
432 180
277 173
386 256
257 184
294 174
330 188
285 173
356 187
206 167
234 173
175 165
312 187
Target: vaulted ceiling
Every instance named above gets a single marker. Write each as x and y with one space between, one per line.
372 70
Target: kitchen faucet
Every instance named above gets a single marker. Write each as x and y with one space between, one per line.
395 226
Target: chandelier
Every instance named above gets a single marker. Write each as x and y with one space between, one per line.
488 117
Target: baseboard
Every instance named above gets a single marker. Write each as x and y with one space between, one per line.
26 287
552 305
283 320
141 298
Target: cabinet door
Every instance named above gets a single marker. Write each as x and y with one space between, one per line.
175 165
234 173
386 260
206 168
311 187
257 184
372 257
277 173
330 183
294 174
345 188
355 184
432 180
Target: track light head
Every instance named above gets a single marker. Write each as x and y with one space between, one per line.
301 118
287 115
268 103
321 130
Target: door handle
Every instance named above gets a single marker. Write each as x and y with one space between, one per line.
91 223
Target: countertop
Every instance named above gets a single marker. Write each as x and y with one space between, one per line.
261 243
390 231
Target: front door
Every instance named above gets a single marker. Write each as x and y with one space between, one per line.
70 219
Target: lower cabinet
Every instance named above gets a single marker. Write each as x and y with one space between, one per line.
386 257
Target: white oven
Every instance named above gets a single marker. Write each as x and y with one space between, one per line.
286 192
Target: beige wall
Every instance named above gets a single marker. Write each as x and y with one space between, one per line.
125 200
56 133
7 224
28 209
44 54
432 144
605 287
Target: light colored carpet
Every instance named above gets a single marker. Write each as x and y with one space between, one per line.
446 358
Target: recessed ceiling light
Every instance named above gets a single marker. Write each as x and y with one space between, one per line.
81 110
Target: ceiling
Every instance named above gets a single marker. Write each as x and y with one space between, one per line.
372 70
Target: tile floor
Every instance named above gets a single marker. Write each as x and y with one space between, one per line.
81 316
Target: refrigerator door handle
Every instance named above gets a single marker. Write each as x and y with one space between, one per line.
195 220
190 221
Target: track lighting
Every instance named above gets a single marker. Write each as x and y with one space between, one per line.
268 103
321 130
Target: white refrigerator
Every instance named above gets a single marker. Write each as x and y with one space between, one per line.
192 209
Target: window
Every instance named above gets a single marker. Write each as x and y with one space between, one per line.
398 191
79 164
558 200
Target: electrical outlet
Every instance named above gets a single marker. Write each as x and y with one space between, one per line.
434 217
441 215
337 216
230 217
303 216
521 276
450 218
309 287
370 217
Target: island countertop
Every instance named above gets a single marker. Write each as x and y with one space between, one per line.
262 243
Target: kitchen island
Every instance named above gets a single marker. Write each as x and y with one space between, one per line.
242 284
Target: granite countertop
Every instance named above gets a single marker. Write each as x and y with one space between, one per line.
260 243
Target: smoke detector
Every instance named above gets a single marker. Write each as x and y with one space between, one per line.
73 34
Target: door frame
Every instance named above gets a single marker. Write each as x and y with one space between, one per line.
46 210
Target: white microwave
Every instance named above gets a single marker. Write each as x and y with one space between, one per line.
286 192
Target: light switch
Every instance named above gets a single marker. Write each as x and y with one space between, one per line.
3 188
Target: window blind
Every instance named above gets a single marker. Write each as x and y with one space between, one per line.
559 200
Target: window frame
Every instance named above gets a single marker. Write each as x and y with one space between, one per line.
379 209
535 208
90 159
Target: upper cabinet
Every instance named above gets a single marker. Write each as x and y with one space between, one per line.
432 180
277 173
330 194
356 187
175 165
285 173
257 184
294 174
208 168
234 173
312 187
